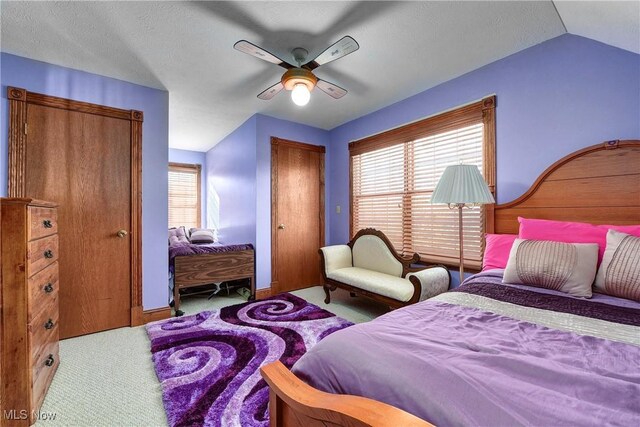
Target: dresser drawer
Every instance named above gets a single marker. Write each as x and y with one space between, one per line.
43 329
41 222
42 374
29 329
41 253
43 288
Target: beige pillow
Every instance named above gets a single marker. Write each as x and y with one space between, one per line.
202 235
619 273
565 267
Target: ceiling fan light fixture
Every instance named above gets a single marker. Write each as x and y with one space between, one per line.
300 82
300 94
300 79
295 76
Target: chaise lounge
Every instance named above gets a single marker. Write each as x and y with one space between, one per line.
369 266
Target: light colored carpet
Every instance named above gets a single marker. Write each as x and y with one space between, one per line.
107 379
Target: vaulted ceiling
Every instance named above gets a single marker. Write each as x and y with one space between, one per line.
186 48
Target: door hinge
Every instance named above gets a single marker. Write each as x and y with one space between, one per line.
25 128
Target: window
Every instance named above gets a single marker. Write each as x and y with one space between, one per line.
394 173
184 195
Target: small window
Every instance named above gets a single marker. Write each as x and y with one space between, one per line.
184 195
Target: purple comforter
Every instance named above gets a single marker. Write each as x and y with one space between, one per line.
186 249
456 365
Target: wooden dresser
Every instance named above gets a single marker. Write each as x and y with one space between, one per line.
29 321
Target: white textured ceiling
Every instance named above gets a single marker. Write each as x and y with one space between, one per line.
186 48
616 23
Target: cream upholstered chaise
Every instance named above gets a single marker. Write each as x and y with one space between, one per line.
369 266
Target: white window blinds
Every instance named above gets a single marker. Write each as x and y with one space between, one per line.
184 195
392 183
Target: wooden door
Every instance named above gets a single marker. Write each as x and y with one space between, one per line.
297 214
83 161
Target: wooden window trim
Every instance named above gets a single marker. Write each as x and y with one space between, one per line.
479 111
191 167
448 120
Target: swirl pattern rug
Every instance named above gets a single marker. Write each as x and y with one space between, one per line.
209 363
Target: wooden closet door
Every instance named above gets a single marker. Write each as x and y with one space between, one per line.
82 162
297 214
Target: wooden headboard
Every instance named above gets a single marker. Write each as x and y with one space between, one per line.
598 184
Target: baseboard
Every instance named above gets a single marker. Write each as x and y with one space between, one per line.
156 314
140 317
263 293
136 316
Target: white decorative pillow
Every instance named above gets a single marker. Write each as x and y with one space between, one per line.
565 267
203 235
619 273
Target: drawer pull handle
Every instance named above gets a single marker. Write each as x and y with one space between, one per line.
47 223
48 253
50 360
48 288
49 324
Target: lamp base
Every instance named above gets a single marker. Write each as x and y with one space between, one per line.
461 242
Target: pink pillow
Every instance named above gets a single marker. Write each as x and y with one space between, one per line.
496 251
572 232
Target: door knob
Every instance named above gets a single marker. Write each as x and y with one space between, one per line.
281 227
122 233
50 360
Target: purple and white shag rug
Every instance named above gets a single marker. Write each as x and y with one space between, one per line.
209 363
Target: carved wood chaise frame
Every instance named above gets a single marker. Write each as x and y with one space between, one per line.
331 285
598 184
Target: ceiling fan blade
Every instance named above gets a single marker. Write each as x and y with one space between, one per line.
339 49
331 89
253 50
271 92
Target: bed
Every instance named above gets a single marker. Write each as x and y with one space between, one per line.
192 265
489 353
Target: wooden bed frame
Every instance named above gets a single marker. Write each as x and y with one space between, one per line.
204 269
599 184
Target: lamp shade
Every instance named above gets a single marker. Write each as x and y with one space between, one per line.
462 184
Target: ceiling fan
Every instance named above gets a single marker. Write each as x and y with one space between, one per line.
300 79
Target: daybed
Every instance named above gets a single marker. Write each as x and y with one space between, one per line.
369 266
192 265
492 353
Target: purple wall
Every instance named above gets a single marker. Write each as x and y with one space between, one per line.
266 128
552 99
53 80
194 158
231 185
239 183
